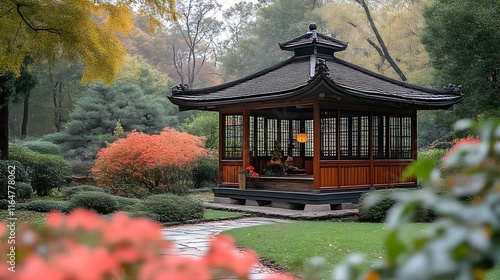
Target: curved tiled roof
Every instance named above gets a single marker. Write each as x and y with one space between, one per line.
290 77
311 38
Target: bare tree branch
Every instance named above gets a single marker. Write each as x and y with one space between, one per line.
48 29
381 42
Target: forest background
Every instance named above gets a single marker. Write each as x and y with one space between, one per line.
425 42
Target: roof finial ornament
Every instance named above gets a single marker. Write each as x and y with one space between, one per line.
453 89
179 88
312 26
312 31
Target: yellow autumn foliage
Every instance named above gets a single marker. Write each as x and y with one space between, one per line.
399 22
83 30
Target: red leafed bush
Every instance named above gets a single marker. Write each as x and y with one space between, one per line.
156 163
83 245
457 143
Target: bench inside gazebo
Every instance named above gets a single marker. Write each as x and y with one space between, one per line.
344 129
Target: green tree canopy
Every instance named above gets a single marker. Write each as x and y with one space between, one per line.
462 38
46 30
96 115
276 21
204 124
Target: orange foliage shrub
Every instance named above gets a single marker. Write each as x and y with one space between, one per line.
457 143
154 162
83 245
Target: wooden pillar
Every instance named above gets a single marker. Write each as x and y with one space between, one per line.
222 129
370 148
316 146
246 137
414 137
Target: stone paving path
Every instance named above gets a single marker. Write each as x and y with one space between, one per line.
193 239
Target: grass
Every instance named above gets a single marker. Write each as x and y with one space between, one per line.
290 244
216 214
24 217
201 194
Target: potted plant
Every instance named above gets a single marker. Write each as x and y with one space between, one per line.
275 167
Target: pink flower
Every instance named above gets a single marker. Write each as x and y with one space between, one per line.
54 219
223 254
175 267
83 219
35 267
3 228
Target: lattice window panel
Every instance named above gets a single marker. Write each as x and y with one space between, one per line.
401 137
354 135
379 132
285 136
328 141
309 145
233 136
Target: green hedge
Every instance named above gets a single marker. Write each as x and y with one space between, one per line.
206 172
99 201
41 146
144 214
4 175
125 203
24 190
171 208
378 212
45 205
69 191
4 203
45 171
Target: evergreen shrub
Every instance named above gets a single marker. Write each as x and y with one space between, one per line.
46 172
171 208
377 212
4 203
125 203
41 146
4 175
144 214
24 190
69 191
45 205
99 201
206 172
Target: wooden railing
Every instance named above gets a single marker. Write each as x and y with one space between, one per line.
358 174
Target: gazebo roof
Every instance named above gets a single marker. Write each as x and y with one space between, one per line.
337 78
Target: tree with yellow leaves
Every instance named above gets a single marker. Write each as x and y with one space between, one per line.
45 30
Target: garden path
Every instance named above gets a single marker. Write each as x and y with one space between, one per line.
193 239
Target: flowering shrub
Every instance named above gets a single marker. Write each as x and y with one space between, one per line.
458 143
82 245
251 172
154 162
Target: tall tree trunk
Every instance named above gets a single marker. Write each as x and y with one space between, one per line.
24 124
4 122
57 86
57 115
381 42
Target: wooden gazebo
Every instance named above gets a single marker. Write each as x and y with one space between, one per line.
361 126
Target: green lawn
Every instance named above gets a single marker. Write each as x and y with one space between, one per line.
215 214
289 244
202 194
24 217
